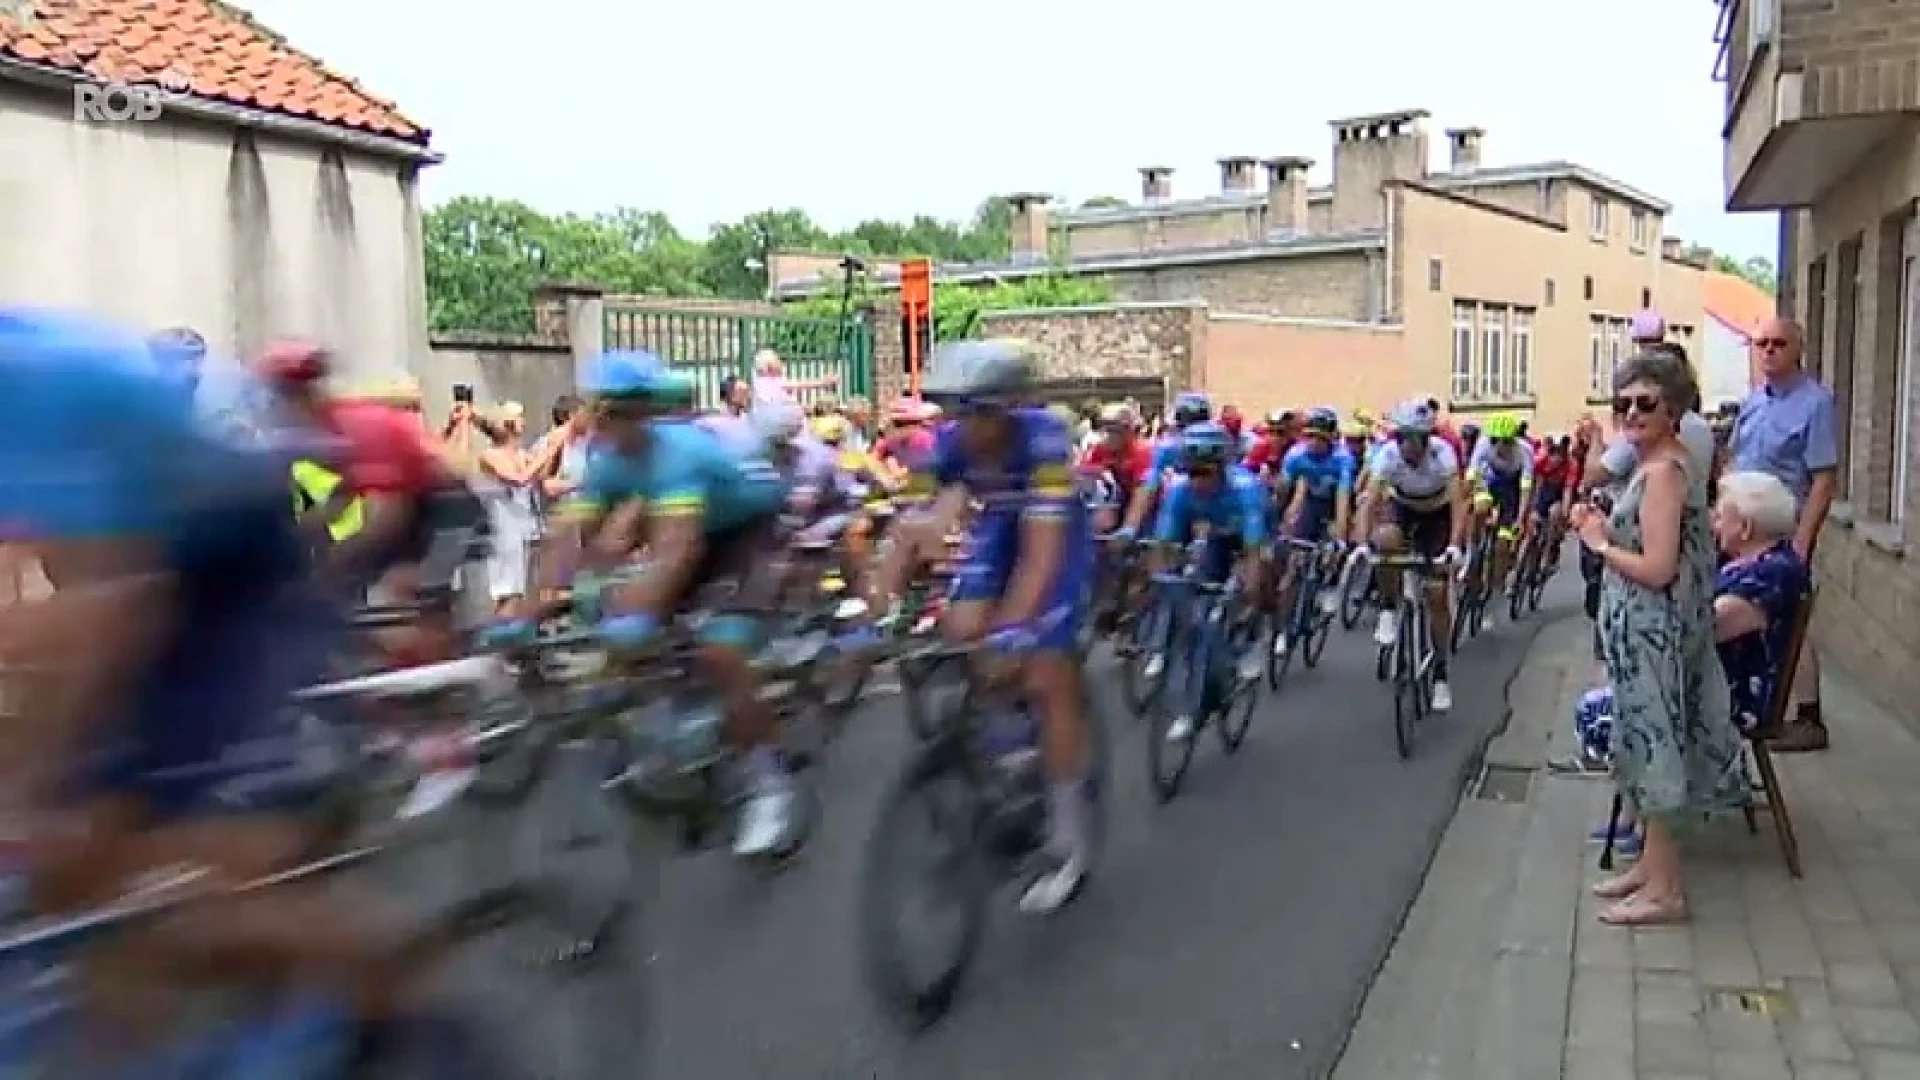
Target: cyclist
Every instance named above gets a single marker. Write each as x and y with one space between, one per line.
1213 493
708 518
1028 565
1469 440
1554 473
1121 454
183 617
1190 408
1318 480
1270 447
1502 468
1414 496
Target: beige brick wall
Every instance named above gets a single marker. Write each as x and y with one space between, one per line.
1261 363
1869 610
1499 259
1331 286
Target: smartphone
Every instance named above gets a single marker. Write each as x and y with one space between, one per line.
462 394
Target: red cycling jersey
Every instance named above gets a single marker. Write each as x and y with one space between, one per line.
386 451
1267 452
1129 464
1552 470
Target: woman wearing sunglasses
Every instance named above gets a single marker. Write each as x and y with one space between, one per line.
1677 750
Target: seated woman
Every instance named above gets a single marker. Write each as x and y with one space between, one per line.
1760 586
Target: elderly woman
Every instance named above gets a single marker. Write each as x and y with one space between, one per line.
1677 751
1760 588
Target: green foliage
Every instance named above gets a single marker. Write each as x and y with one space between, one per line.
1758 270
485 256
957 307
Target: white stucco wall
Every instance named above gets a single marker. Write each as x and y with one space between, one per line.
1723 363
242 236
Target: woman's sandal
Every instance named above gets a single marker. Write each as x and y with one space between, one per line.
1619 886
1641 910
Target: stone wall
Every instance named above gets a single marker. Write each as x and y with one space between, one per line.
1110 341
531 369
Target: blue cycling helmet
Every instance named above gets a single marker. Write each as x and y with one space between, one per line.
625 373
1192 407
1205 443
1323 421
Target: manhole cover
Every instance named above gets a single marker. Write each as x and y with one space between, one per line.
1758 1000
1504 783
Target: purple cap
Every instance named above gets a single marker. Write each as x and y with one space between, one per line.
1648 326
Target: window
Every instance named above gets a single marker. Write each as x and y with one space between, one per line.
1434 270
1846 319
1550 292
1588 290
1616 348
1638 226
1597 358
1646 298
1903 449
1521 382
1462 351
1597 217
1493 328
1816 321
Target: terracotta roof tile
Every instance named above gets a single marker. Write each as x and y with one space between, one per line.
1738 303
203 47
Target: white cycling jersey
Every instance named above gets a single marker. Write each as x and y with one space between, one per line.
1421 481
1488 463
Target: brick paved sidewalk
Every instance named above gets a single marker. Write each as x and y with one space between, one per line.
1817 979
1502 970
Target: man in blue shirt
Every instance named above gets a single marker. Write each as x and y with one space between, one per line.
1214 501
1318 474
1787 428
1024 582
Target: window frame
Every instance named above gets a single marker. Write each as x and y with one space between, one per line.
1903 434
1599 218
1493 351
1637 229
1520 352
1460 378
1596 355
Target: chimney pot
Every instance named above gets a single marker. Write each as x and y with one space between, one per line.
1156 183
1670 247
1465 143
1030 225
1287 194
1236 174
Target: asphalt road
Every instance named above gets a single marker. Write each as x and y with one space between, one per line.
1231 933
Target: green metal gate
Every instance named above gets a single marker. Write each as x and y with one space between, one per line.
713 345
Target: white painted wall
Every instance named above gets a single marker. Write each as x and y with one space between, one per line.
176 222
1722 363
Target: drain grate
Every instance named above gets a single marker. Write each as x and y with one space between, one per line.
1504 784
1757 1001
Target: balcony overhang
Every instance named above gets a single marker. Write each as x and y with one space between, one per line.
1777 156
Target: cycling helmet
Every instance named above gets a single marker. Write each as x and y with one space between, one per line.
1502 428
293 363
624 373
830 429
1412 418
996 370
1278 418
1469 432
779 424
1355 429
1120 415
1192 407
1364 418
1205 443
1323 421
907 410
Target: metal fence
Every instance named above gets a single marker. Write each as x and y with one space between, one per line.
828 358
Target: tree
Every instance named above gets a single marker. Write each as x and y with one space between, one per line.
1758 270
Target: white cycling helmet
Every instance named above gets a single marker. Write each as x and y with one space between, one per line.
1412 418
778 423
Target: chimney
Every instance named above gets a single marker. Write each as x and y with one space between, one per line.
1156 183
1465 144
1670 248
1369 154
1030 241
1287 194
1236 175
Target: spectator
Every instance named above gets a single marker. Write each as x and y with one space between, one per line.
1759 590
505 479
1786 429
1676 750
860 431
1616 461
569 465
736 395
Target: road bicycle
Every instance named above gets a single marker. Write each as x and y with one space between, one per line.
1470 611
1203 641
1408 663
976 781
1309 624
1531 571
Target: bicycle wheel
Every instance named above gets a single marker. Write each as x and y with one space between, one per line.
1169 758
1319 623
1463 614
1235 718
1407 706
939 786
1152 633
1356 582
1278 663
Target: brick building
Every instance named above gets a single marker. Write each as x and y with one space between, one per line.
1821 106
1493 287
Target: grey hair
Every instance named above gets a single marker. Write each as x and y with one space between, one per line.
1762 501
1670 374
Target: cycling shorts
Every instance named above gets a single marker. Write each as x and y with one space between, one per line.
1506 502
1546 497
1428 533
991 552
1315 523
734 581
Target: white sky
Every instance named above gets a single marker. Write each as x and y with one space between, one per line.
853 109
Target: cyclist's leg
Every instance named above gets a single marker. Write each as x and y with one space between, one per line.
1052 677
1390 537
1506 515
1429 535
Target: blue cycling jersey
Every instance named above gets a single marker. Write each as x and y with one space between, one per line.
1234 507
686 470
1034 478
96 443
1166 458
1325 475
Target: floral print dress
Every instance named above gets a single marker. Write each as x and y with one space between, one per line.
1676 749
